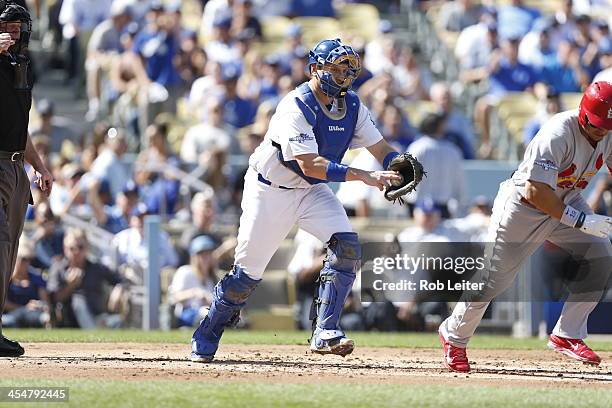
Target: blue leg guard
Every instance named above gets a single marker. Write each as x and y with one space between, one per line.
229 297
336 280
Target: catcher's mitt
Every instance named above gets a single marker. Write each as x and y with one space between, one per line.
412 172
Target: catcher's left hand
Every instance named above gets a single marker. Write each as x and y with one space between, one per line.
412 172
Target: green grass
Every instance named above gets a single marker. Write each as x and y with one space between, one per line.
229 395
370 339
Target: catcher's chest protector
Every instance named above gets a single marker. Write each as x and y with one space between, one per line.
332 131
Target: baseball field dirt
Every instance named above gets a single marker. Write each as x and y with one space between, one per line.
294 364
275 369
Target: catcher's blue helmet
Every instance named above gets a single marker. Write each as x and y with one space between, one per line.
337 64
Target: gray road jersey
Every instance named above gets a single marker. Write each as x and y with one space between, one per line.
560 156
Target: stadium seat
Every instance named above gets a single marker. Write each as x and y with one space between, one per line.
274 318
318 28
271 291
570 100
416 110
275 28
545 6
191 12
359 19
517 103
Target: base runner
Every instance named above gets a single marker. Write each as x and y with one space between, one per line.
542 201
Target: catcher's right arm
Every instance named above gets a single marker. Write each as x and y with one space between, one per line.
412 172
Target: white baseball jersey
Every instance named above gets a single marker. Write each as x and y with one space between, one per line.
290 129
269 212
560 156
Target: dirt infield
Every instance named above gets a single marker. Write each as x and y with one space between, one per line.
293 364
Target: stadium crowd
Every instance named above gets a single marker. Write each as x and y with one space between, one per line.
179 94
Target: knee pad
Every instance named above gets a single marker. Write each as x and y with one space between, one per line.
336 279
229 297
235 287
344 252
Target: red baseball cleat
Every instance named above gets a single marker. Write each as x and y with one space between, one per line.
455 358
574 348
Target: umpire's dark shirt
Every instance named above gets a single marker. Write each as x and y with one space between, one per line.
14 110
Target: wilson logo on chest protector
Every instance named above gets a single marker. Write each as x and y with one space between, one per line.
336 128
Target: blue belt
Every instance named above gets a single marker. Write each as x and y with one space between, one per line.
268 182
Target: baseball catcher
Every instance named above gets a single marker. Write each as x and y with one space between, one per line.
313 127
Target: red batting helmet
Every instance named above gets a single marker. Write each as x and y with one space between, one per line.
596 105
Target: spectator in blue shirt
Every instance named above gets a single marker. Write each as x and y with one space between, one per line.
459 128
396 129
238 112
271 72
506 74
565 74
48 237
243 18
536 48
157 45
515 19
27 303
114 218
586 45
312 8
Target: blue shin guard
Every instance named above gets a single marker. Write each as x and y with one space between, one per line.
229 297
336 280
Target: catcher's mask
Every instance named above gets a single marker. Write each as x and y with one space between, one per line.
15 20
337 66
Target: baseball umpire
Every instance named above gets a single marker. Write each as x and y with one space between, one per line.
312 128
542 201
15 146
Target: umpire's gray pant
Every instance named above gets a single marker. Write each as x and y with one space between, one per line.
14 197
516 231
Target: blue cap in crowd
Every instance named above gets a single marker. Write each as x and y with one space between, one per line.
223 22
45 107
492 26
104 187
200 244
294 30
230 71
130 187
428 206
481 201
605 46
156 5
140 210
385 26
542 25
273 60
173 6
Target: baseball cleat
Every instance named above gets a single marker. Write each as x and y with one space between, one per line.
331 342
455 358
204 344
574 348
201 358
